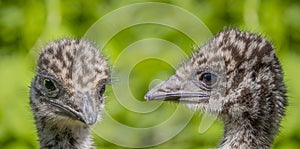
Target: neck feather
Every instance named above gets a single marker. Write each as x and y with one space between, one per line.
63 135
243 134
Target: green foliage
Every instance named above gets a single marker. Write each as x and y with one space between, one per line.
28 25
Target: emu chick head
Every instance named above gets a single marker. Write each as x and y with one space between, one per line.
235 75
69 84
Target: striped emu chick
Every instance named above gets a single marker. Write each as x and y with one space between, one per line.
66 95
237 76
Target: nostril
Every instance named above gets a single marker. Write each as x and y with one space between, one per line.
172 89
161 90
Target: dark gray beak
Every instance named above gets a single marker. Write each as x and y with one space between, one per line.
175 89
87 112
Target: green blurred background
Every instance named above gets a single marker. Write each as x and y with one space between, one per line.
25 26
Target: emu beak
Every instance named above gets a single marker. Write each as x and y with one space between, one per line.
84 111
176 89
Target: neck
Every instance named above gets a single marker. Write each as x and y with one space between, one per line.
63 135
243 134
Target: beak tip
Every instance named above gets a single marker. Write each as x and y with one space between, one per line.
89 120
160 91
147 96
151 94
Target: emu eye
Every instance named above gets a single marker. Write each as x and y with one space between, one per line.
102 90
208 78
49 84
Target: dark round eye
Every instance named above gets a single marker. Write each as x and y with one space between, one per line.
208 78
102 90
49 84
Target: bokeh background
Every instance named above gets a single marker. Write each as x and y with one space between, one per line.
25 26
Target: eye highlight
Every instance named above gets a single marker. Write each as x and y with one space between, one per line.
48 84
208 79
